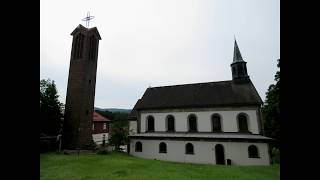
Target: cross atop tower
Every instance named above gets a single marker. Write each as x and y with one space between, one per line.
87 19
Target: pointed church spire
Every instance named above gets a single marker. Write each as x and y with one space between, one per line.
236 53
238 66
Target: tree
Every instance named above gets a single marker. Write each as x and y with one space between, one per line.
119 130
119 127
50 109
271 111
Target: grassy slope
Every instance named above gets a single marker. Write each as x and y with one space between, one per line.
118 166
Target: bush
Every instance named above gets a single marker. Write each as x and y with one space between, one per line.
275 156
102 151
48 145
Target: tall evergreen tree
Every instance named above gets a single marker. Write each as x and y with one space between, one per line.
50 108
271 111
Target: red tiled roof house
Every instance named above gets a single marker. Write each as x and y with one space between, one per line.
100 128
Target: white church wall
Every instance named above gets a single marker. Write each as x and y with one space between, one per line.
229 119
204 152
175 151
132 127
238 153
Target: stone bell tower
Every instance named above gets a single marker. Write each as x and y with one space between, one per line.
79 107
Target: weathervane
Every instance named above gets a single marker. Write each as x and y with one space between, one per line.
87 19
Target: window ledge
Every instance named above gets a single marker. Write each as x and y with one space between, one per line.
190 153
170 131
256 157
194 131
217 131
247 132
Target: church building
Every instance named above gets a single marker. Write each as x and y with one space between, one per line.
208 123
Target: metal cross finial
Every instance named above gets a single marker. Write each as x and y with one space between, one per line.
87 19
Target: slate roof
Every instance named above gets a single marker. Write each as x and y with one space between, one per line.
210 94
133 114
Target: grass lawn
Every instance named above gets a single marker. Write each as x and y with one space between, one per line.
121 166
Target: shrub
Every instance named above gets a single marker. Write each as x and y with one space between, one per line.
275 156
102 151
48 145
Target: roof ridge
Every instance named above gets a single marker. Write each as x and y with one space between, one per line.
190 84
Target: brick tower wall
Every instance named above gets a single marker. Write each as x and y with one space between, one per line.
79 106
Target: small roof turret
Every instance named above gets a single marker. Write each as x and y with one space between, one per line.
236 53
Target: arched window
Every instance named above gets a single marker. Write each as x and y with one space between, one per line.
150 124
162 147
192 121
138 146
170 123
216 123
243 123
189 148
253 151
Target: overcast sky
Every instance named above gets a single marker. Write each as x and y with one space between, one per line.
161 42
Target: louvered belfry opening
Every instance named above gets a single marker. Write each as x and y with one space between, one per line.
78 46
92 47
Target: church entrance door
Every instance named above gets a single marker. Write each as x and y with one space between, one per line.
219 154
